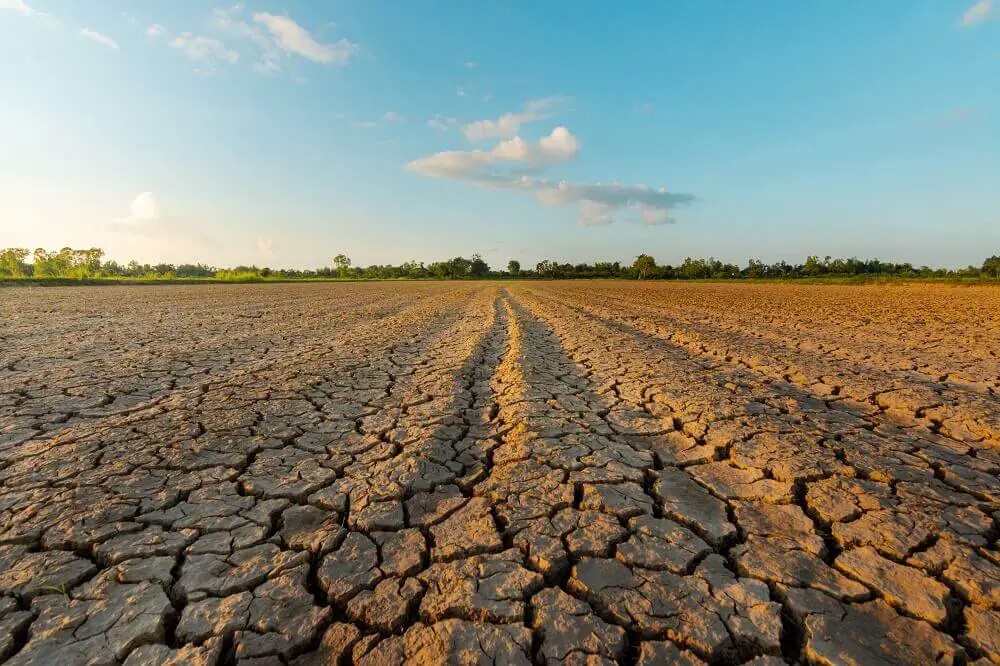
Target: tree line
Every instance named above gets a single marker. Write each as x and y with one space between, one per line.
91 264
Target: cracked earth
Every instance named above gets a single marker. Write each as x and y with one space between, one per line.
478 473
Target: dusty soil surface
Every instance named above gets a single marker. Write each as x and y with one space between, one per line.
499 474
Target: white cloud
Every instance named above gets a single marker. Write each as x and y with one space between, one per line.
594 214
393 117
145 216
97 37
981 11
460 91
269 55
471 64
145 208
509 124
266 247
365 124
293 38
506 167
204 49
149 225
155 30
441 123
654 216
19 6
559 146
276 38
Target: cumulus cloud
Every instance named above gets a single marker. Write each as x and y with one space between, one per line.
293 38
146 207
509 124
204 49
507 164
98 38
149 225
266 247
561 145
145 215
155 30
393 117
979 12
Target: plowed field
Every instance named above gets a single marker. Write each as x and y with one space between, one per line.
500 473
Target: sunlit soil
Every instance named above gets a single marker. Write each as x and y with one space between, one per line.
504 473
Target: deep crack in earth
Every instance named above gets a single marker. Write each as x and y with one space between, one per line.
486 473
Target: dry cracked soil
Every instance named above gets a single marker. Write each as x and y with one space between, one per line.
486 473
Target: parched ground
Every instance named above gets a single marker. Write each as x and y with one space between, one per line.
499 473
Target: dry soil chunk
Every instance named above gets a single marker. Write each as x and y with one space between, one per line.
745 484
569 626
767 560
456 642
103 628
49 572
655 653
983 629
688 503
711 611
311 528
485 588
901 586
188 655
469 531
335 647
387 607
867 633
349 569
661 544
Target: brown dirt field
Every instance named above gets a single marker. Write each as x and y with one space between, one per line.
500 473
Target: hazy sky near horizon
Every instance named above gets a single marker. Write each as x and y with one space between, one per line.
282 132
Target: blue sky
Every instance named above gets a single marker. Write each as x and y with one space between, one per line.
284 132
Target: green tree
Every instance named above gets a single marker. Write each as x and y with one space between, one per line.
343 264
644 266
478 268
514 267
546 268
755 268
12 261
459 267
991 267
812 267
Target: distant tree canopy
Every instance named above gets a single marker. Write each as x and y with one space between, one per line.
342 263
991 267
90 264
644 266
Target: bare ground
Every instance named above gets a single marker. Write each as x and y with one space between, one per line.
508 473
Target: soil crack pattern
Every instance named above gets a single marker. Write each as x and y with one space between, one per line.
500 473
